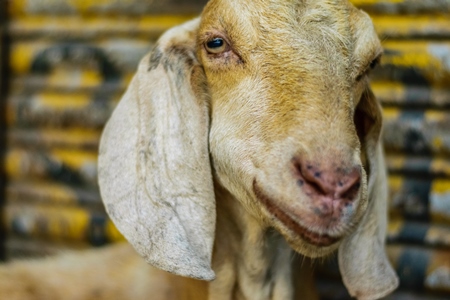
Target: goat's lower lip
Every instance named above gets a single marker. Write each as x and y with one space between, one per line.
320 240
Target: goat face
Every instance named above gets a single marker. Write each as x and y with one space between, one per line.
275 94
287 137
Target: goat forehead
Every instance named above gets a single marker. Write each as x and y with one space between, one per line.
315 27
281 16
291 28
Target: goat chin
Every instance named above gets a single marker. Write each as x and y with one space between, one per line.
253 117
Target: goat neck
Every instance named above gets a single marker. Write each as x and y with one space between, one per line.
251 260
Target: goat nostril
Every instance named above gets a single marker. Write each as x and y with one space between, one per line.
318 188
351 192
312 178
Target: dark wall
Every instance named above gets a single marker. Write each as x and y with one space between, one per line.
3 93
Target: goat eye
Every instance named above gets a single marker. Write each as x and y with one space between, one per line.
216 46
375 63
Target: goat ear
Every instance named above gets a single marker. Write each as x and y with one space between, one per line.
363 263
154 168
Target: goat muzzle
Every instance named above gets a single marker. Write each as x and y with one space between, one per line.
329 188
313 238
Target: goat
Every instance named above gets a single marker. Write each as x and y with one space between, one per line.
247 135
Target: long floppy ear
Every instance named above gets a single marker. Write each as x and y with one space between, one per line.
363 263
154 168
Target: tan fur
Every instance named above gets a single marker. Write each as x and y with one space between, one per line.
112 273
199 164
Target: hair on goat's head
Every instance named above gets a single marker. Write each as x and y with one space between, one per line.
270 100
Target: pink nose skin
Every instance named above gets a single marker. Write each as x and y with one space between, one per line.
333 183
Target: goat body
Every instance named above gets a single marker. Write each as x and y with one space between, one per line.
246 136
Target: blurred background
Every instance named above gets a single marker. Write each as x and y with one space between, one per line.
65 63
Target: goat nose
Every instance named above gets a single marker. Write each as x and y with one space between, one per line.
335 183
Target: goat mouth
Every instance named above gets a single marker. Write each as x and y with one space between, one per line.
313 238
